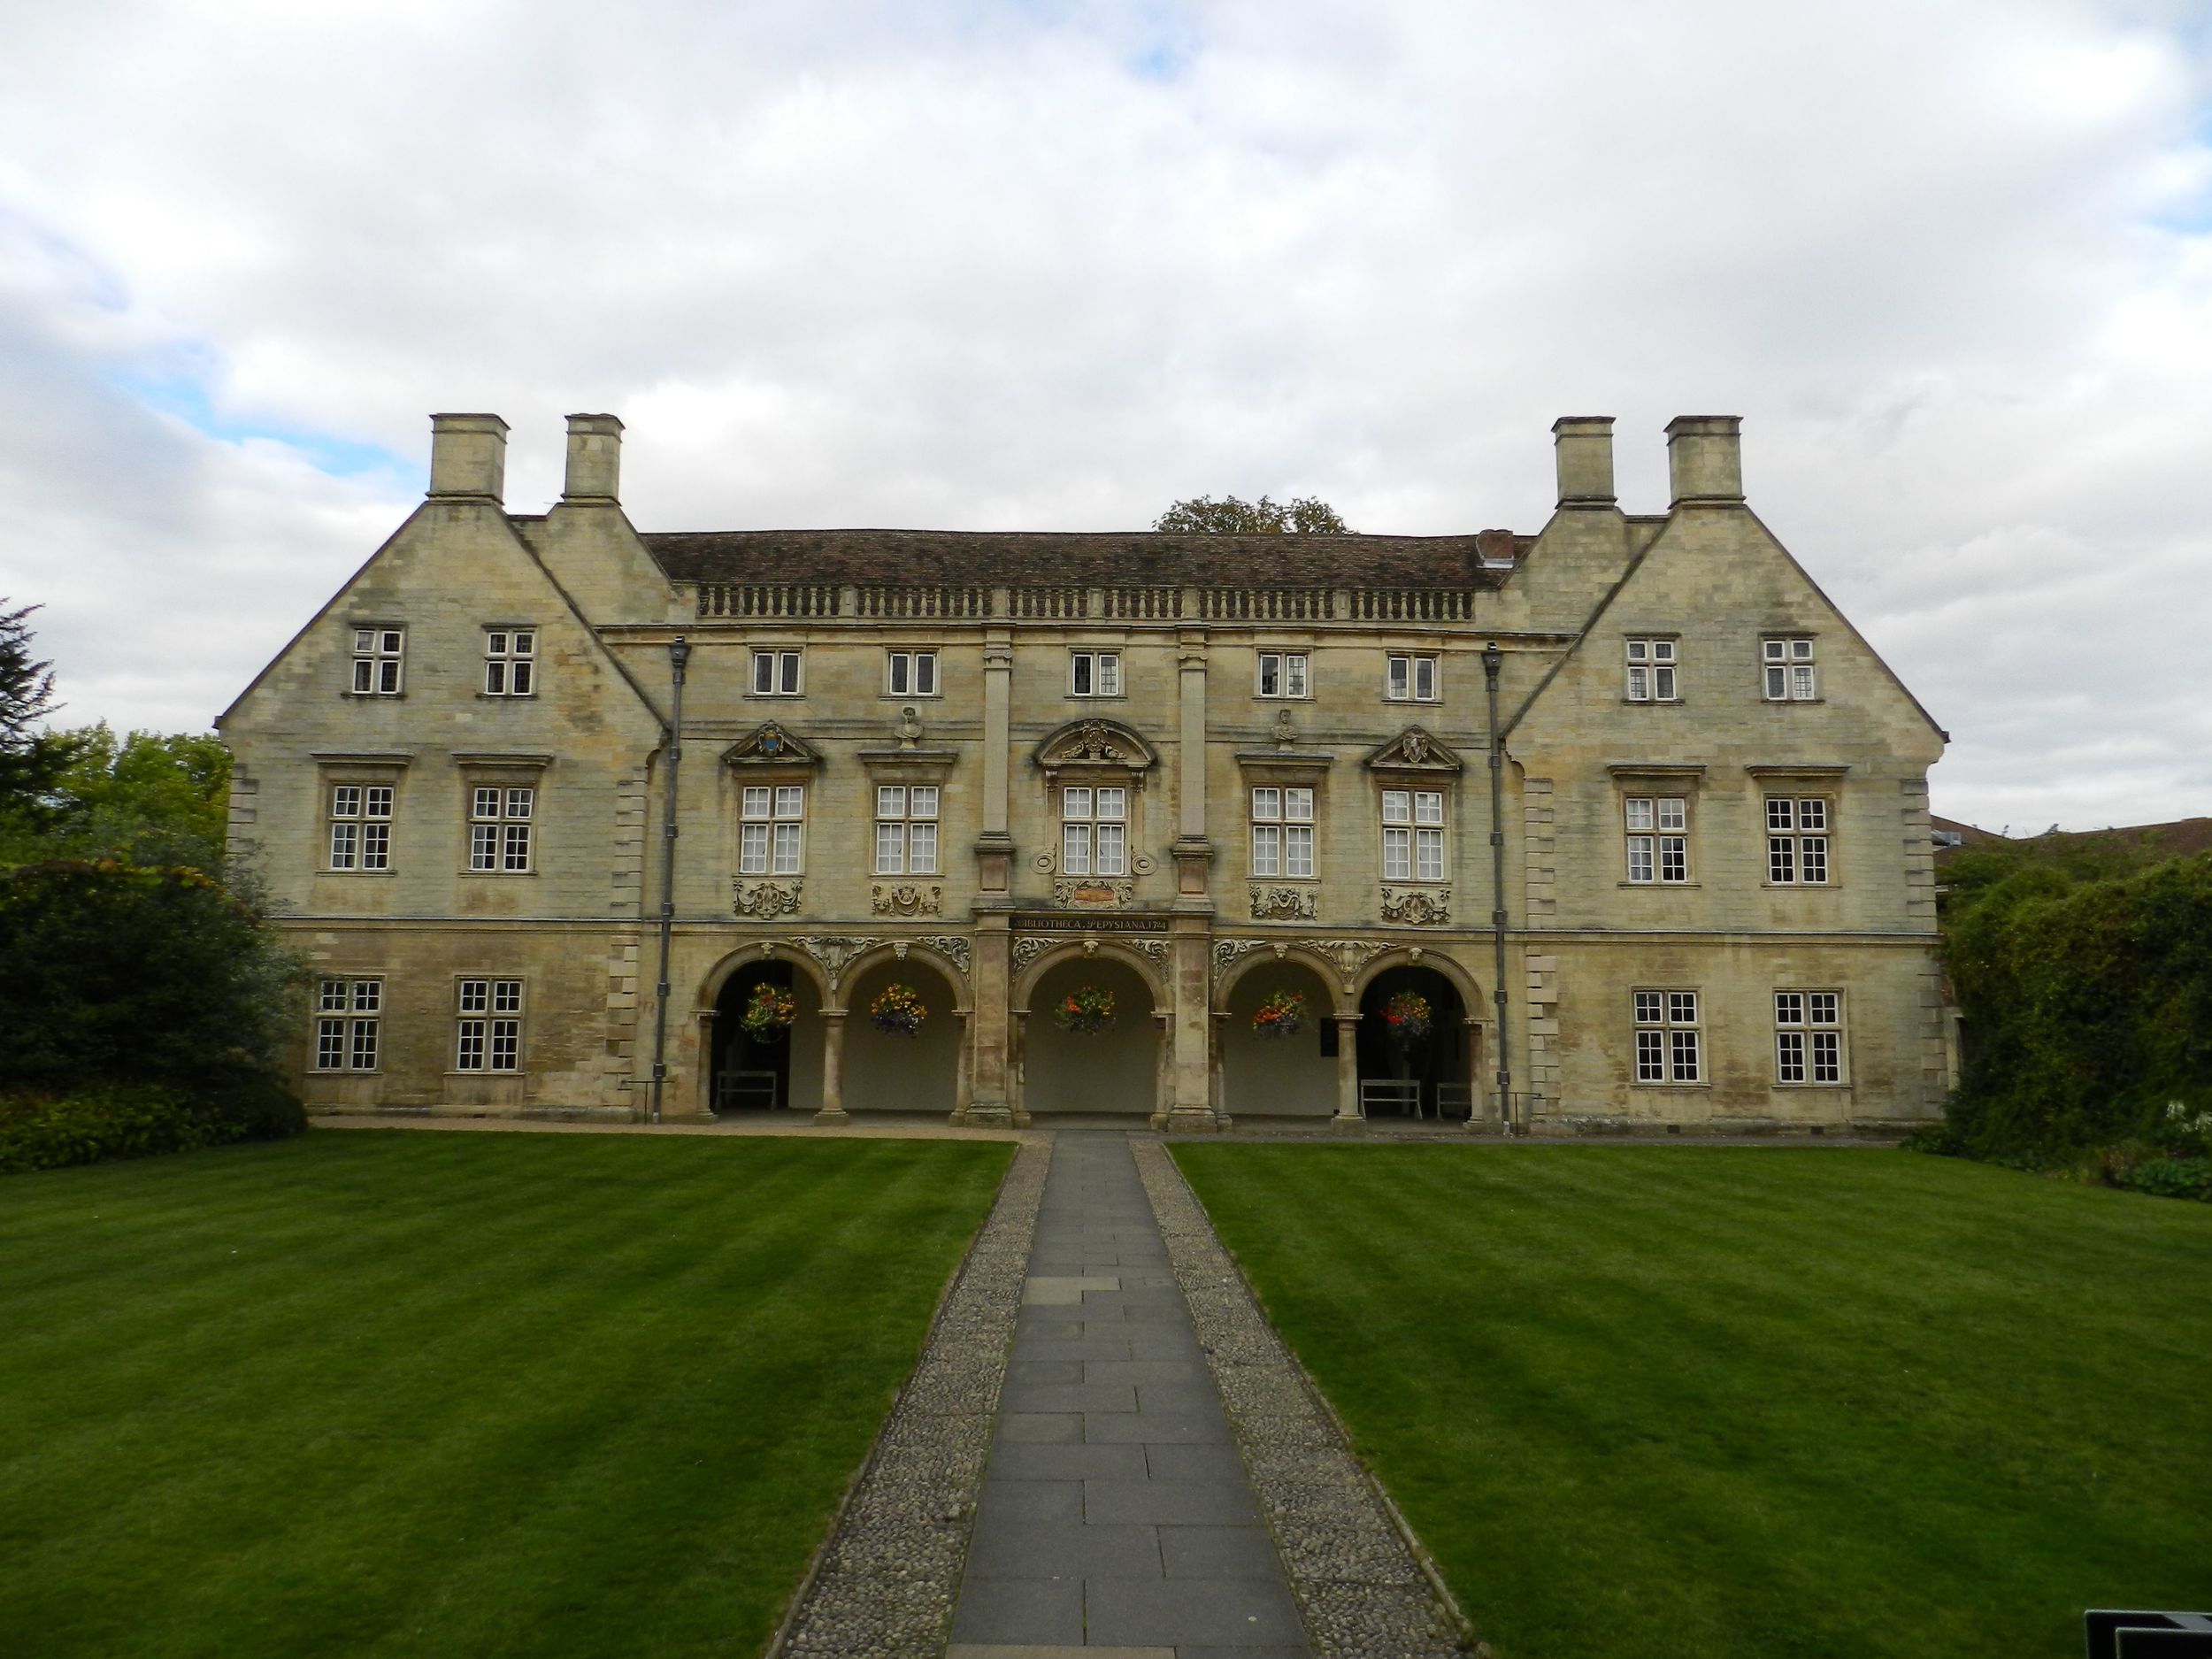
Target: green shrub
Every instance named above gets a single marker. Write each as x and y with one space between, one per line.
135 1120
2171 1178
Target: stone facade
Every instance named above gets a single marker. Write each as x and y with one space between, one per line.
1191 772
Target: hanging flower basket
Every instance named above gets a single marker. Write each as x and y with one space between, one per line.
1088 1012
899 1011
1282 1015
1408 1015
768 1015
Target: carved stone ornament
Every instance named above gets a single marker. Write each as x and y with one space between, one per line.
768 744
1285 729
952 946
1418 907
1228 952
1088 893
1155 948
1046 862
1413 750
1027 949
1349 954
910 728
1096 746
764 898
1282 904
1091 742
835 952
906 901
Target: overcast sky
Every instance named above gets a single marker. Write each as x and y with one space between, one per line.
1053 265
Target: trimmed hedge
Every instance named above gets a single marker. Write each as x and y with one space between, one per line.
135 1120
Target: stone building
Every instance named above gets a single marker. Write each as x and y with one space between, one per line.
1675 875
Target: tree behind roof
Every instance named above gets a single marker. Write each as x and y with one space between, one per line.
1203 515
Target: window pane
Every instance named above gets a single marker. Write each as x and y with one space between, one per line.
341 846
1682 1007
790 685
506 1044
1781 858
1662 684
1109 674
790 800
1827 1057
787 849
1801 650
1814 860
1401 672
890 800
519 685
388 676
519 803
1824 1010
1649 1009
763 673
1298 805
1112 849
1424 679
376 847
899 665
1267 840
332 994
1082 661
1789 1008
1776 688
1640 685
1637 650
483 846
1812 814
1789 1056
368 995
495 643
468 1051
484 804
1397 855
524 644
363 675
1774 649
890 849
376 802
1651 1066
1112 804
365 1045
755 801
1673 812
1428 807
922 800
1267 805
476 995
1801 682
363 639
1397 807
1639 860
924 840
1075 802
495 679
752 853
1294 676
1270 674
1298 851
330 1044
345 802
1428 846
925 674
507 996
1685 1056
1674 858
1075 848
517 855
1778 814
1638 812
1663 650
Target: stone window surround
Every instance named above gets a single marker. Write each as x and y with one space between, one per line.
502 771
1286 769
907 767
1685 779
1842 1028
385 769
1801 778
489 1018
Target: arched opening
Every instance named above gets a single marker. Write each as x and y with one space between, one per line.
1265 1075
757 1073
1116 1071
886 1072
1426 1076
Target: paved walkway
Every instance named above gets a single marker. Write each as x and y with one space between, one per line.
1116 1515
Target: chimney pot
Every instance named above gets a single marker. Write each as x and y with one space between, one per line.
595 458
1705 459
1582 450
468 458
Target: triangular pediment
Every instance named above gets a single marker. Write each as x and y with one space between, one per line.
770 744
1413 750
1094 743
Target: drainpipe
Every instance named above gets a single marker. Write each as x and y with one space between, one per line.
1491 660
678 654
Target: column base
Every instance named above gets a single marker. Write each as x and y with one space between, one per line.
986 1118
1186 1120
1348 1120
832 1118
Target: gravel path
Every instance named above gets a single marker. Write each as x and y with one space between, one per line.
884 1586
1360 1585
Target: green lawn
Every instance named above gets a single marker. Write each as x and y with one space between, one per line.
1734 1402
383 1392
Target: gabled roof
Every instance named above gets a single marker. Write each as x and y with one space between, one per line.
1099 559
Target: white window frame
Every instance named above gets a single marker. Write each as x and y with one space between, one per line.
1657 832
1282 676
1653 669
348 1024
511 661
1282 832
904 671
488 1024
1413 836
1787 672
907 832
380 660
360 819
1808 1046
778 671
1413 677
1801 841
503 829
1094 673
1094 830
1669 1036
771 829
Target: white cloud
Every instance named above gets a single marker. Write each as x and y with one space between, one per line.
1055 263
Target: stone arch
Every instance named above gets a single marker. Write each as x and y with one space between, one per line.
1444 1069
1119 1072
752 951
1297 1074
926 1072
1331 977
1470 994
1153 973
945 965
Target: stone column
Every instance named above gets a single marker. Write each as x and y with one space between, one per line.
704 1044
1020 1069
990 1097
1347 1068
994 847
960 1076
1188 1097
1193 852
833 1064
1163 1071
1220 1070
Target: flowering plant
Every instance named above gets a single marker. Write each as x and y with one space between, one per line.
899 1011
1281 1015
1408 1015
769 1013
1088 1010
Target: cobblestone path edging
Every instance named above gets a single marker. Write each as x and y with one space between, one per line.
1361 1584
884 1586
